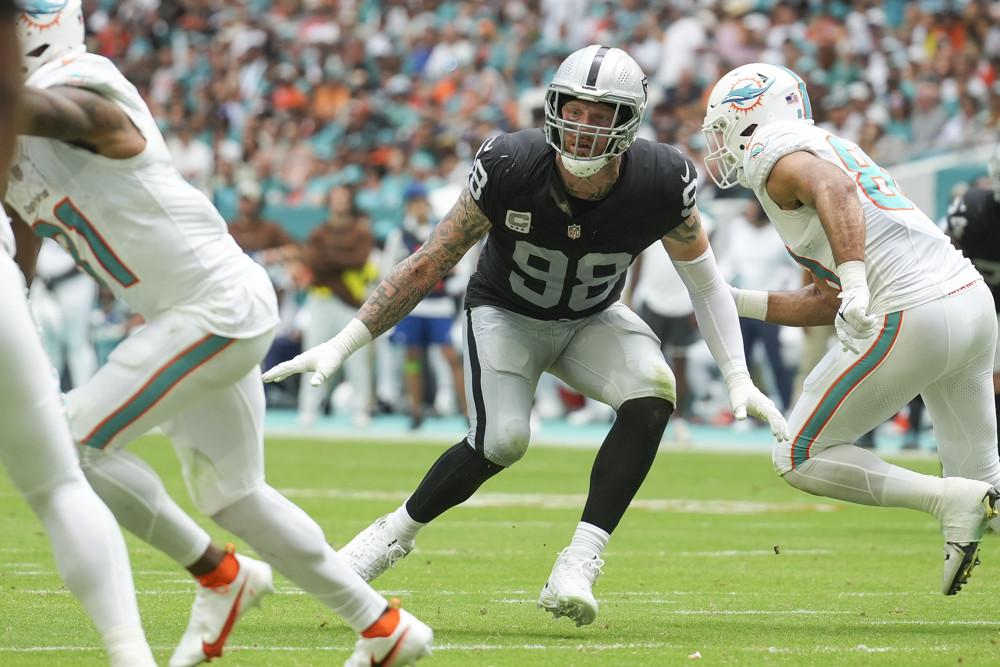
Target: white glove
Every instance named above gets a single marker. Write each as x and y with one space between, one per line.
745 397
853 323
326 358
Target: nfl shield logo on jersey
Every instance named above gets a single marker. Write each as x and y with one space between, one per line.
573 231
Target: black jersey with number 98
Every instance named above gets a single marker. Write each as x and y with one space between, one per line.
552 257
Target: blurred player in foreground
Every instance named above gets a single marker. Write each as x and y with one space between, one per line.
94 173
36 447
911 313
565 211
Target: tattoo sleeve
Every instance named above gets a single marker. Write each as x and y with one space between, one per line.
688 231
414 278
68 113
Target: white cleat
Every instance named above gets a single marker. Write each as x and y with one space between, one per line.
374 550
216 610
409 641
968 507
569 590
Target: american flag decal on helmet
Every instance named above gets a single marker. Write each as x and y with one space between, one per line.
792 99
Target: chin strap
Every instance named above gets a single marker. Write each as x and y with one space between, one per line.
584 168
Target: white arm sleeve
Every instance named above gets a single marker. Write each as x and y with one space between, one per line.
716 312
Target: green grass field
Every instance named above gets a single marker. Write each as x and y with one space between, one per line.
717 556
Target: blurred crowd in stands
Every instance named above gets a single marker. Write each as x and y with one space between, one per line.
305 119
302 95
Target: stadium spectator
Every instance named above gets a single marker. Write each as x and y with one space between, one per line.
337 254
255 234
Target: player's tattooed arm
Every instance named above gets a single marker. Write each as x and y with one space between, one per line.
687 240
81 117
413 279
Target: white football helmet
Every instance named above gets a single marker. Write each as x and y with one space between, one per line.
49 29
743 100
993 167
598 74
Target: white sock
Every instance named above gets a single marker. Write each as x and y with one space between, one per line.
403 526
589 540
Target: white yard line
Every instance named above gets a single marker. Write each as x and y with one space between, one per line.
575 501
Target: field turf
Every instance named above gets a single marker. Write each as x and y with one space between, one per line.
717 558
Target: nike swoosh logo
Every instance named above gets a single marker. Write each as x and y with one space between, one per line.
687 173
214 650
387 659
489 144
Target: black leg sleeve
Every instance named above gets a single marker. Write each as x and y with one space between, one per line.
624 460
451 481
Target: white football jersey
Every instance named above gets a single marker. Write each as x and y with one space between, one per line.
135 224
909 260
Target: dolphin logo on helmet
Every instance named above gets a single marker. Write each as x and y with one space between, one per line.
49 30
743 100
748 96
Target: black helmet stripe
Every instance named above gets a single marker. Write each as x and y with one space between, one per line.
595 66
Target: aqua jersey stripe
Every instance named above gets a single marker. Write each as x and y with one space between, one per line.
816 268
843 386
173 372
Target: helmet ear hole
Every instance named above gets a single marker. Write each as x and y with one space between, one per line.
750 129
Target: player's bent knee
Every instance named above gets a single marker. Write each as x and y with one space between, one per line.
802 482
510 444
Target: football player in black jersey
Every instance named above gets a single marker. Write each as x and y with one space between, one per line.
565 209
974 228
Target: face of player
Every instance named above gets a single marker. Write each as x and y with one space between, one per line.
583 139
